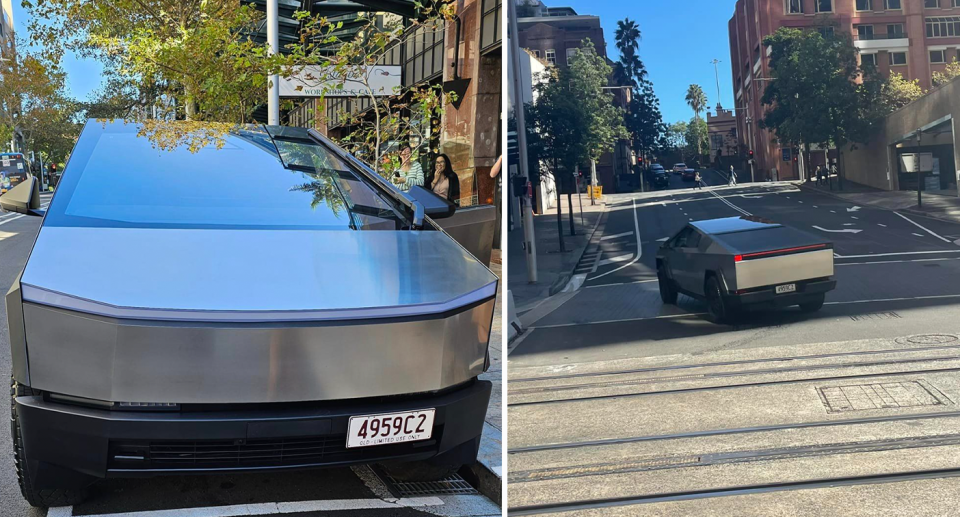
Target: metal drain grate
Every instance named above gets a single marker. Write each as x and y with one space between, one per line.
885 395
452 485
876 316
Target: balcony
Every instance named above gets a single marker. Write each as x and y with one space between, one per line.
872 37
894 41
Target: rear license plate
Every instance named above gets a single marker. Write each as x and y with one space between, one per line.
409 426
786 288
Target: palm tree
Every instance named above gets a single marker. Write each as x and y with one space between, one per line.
697 100
628 42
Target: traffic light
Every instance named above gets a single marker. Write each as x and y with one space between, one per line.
750 153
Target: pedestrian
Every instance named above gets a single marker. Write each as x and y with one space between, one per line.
697 181
410 173
446 183
819 173
733 177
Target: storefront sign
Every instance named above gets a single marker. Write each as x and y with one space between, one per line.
313 81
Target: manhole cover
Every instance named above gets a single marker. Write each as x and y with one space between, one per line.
859 397
452 485
928 339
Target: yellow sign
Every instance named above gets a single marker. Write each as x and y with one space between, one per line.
596 192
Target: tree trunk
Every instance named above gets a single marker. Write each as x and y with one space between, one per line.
570 212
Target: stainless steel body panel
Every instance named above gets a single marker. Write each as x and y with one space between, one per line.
137 361
252 275
782 269
474 228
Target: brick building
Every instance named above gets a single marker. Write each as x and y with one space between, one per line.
722 133
912 37
552 34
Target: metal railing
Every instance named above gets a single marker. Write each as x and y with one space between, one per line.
871 37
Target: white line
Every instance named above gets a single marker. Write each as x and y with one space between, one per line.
14 218
636 228
897 254
918 234
280 508
731 205
668 316
516 342
60 511
921 227
614 260
893 262
878 224
935 297
625 283
617 236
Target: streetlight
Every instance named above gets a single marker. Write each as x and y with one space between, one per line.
716 71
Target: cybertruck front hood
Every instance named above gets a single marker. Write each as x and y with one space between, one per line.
252 275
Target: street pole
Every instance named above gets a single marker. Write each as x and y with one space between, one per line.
273 41
529 241
919 174
717 72
593 181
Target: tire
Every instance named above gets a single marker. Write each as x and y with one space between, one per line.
813 305
718 310
668 292
38 497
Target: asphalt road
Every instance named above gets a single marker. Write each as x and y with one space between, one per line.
618 404
331 492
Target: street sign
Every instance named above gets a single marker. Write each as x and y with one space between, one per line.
908 162
314 81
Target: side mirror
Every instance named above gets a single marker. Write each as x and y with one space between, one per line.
24 198
434 206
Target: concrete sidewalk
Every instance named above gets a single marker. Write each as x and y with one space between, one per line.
935 205
554 268
488 470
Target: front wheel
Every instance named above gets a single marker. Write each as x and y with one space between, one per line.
719 311
814 304
668 292
36 496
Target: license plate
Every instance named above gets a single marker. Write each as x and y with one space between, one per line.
409 426
786 288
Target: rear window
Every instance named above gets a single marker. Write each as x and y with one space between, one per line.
13 166
118 179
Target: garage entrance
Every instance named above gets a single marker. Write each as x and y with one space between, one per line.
935 145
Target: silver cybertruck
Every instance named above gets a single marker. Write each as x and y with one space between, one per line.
739 263
270 303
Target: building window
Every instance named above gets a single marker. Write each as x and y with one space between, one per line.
894 5
536 54
864 5
824 6
898 58
938 56
943 27
826 32
490 23
931 4
570 53
868 60
551 56
895 31
424 54
794 6
865 32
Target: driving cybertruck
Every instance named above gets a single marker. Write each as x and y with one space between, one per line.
739 263
267 303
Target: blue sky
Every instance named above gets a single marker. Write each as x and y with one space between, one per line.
677 46
83 76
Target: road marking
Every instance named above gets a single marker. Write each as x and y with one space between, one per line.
664 317
918 234
911 221
833 211
854 209
902 253
636 228
731 205
848 224
512 346
617 236
815 206
614 260
665 239
883 225
933 297
268 508
625 283
14 218
801 202
852 217
848 230
893 262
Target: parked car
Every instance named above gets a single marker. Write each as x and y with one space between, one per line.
268 303
688 175
679 168
738 263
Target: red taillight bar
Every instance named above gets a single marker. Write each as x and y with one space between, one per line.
738 258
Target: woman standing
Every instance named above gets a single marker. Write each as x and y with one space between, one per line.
446 183
410 173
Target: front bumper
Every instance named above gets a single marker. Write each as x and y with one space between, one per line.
768 296
73 445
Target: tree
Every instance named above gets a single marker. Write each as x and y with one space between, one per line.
697 100
677 136
896 92
696 136
643 119
814 95
951 72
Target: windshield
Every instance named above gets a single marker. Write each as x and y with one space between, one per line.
118 179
